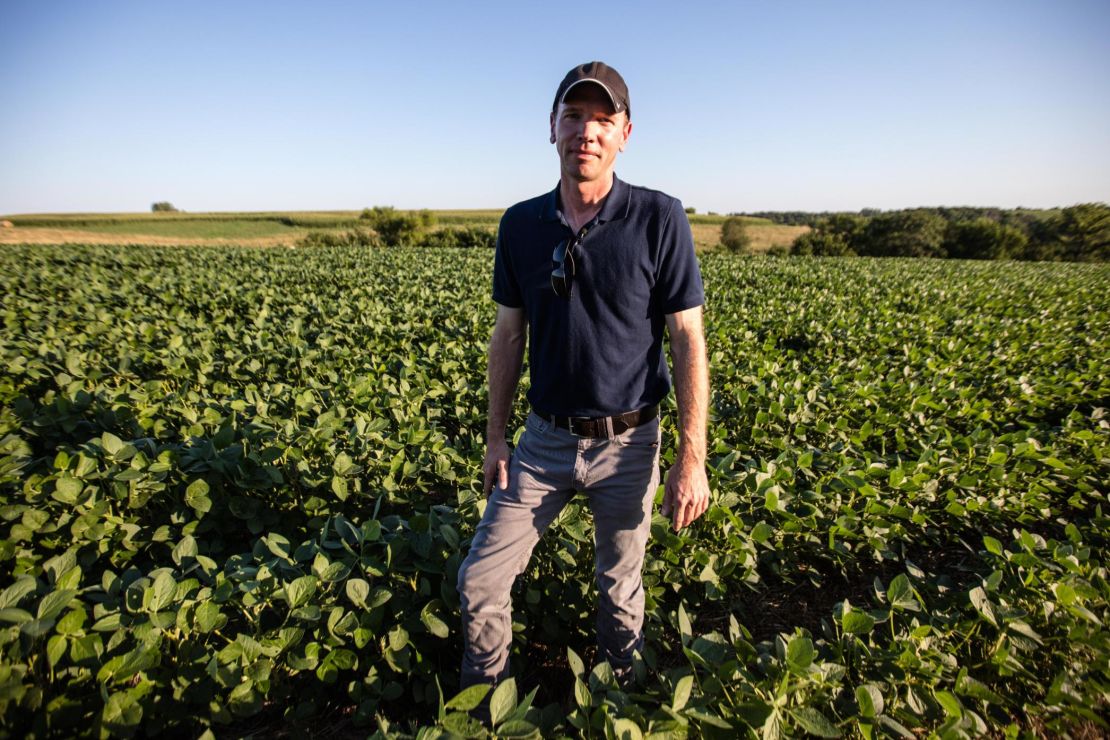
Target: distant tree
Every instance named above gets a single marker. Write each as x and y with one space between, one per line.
734 235
1044 237
984 239
822 244
789 218
911 233
849 226
833 236
162 206
398 228
691 210
1084 232
1081 232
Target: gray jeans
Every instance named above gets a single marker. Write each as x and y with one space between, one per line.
619 477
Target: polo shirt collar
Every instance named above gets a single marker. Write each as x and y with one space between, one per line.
615 206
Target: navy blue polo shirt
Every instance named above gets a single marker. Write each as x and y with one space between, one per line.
600 352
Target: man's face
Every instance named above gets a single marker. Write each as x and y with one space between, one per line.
587 134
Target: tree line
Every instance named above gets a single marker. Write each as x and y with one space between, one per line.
385 226
1079 233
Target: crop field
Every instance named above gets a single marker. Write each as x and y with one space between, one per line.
285 228
236 486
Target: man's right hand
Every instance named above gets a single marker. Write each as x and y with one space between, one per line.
495 469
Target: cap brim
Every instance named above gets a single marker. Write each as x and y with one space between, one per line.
612 98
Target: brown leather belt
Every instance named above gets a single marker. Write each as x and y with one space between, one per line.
601 426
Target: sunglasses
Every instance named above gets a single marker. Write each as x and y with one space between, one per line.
563 257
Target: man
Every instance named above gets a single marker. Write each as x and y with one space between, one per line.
591 273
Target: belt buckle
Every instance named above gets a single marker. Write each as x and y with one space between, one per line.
570 426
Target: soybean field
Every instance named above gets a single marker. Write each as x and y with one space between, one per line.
236 486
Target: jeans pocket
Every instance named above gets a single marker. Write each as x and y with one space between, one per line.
646 435
536 424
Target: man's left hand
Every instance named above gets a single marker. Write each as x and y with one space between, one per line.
686 495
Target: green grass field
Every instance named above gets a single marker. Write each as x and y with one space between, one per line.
197 228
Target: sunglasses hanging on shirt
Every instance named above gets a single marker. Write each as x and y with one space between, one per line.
563 257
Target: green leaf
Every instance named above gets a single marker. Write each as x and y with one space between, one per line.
196 496
813 722
398 638
300 591
185 549
715 721
111 443
949 703
518 728
459 725
208 617
87 648
577 667
339 488
342 464
685 628
55 649
163 591
771 499
800 654
582 695
870 700
122 712
69 579
357 591
1023 628
53 603
60 564
982 604
682 692
896 727
468 698
278 544
762 532
72 623
969 686
68 490
433 623
900 594
626 729
503 701
857 622
378 597
15 593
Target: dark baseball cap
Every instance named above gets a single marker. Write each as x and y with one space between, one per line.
600 74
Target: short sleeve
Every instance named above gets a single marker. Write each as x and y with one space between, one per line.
506 288
678 285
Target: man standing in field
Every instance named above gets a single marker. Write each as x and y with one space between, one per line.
590 273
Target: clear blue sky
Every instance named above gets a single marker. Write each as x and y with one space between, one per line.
109 106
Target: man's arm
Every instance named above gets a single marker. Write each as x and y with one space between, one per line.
687 490
506 354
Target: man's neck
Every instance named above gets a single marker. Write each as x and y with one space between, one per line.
583 200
